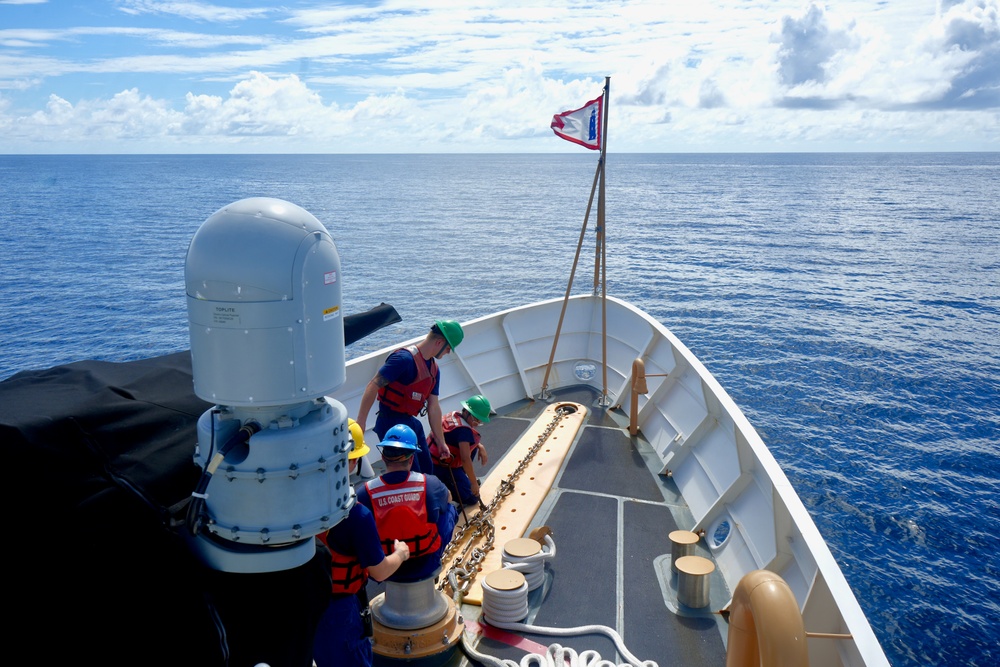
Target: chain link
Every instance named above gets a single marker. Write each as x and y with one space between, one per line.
463 571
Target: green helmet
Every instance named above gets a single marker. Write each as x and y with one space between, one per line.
479 407
451 330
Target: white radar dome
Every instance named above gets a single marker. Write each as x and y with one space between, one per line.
264 306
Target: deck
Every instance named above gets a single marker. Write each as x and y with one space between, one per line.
610 516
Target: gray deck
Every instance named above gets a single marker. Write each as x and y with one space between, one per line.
610 515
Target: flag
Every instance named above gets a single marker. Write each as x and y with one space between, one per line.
581 126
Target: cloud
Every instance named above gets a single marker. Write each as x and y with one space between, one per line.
408 76
650 88
198 11
126 116
826 62
808 45
710 96
965 39
257 106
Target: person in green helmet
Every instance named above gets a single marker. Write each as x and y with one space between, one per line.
463 444
406 387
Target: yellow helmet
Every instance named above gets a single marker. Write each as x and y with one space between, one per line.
360 448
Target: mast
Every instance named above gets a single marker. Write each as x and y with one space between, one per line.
602 249
600 265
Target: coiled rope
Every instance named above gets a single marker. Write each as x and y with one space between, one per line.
558 655
555 656
533 566
505 609
505 606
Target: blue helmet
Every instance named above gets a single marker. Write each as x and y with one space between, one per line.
400 437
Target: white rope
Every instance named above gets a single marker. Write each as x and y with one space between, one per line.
534 565
505 610
556 655
501 606
585 659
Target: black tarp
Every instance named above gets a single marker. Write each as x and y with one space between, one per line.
96 455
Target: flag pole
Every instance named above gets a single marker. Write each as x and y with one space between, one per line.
599 251
602 248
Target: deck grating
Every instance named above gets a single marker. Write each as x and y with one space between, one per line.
582 586
605 461
498 436
606 493
607 479
653 631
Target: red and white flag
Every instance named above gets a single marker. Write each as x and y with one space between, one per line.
581 126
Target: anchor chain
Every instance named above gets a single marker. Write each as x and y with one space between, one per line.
462 572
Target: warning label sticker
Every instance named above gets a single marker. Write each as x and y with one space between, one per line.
331 313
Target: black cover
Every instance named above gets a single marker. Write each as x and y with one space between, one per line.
97 453
359 325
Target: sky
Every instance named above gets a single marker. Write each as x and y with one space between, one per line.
486 76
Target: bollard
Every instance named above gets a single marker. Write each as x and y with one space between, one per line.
682 543
693 574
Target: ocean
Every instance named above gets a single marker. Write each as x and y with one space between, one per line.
849 303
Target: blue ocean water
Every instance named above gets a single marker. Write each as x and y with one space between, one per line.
849 303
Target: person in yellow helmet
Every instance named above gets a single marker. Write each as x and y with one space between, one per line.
407 384
356 553
463 445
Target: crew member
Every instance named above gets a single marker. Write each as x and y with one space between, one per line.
356 552
409 507
407 384
463 444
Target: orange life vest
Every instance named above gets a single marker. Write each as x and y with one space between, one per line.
347 574
400 512
449 423
410 398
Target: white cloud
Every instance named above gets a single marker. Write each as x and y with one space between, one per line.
199 11
61 125
477 75
257 106
809 46
965 42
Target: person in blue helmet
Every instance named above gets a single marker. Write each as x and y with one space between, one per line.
406 386
342 636
410 507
